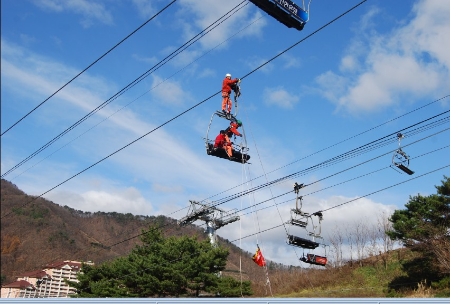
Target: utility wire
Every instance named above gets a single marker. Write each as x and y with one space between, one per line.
67 83
126 88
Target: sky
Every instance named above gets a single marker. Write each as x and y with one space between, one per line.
379 69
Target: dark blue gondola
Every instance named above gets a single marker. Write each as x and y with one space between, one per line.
285 11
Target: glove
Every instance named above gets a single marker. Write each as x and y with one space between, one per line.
240 135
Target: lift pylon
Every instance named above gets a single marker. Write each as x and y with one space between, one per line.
214 218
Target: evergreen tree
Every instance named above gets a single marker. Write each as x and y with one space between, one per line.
424 227
159 267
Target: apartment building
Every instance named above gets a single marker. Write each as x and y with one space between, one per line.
45 283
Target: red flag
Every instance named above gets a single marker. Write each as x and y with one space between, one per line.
258 258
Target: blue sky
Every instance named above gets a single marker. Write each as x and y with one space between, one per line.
377 63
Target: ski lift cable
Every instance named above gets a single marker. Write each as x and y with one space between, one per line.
336 158
129 86
88 67
316 168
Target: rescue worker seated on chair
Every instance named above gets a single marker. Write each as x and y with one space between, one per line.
232 129
223 142
226 91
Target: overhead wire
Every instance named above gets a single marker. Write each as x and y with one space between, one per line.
89 66
129 86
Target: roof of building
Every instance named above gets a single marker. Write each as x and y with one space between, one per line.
38 274
58 265
17 284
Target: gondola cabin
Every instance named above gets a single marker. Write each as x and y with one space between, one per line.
285 11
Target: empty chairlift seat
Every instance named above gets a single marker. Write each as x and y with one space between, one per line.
301 242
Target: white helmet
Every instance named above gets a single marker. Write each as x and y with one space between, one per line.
228 75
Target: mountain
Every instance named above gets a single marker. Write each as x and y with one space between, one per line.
36 232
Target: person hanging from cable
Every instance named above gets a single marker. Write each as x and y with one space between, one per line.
227 85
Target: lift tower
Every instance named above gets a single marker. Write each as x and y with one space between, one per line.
214 218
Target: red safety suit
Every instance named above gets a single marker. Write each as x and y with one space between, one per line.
226 91
233 129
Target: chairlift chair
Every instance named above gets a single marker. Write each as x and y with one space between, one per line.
400 159
314 259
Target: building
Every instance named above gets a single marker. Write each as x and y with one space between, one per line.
45 283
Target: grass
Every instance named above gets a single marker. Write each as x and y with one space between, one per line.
368 281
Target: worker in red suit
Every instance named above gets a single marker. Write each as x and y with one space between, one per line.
232 129
226 91
223 141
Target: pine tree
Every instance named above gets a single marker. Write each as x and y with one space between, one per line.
424 227
160 267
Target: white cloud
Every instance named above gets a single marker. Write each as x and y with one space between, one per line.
90 10
128 200
273 242
411 61
150 60
208 12
280 97
144 8
256 62
169 92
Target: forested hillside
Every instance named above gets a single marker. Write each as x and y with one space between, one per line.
36 232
